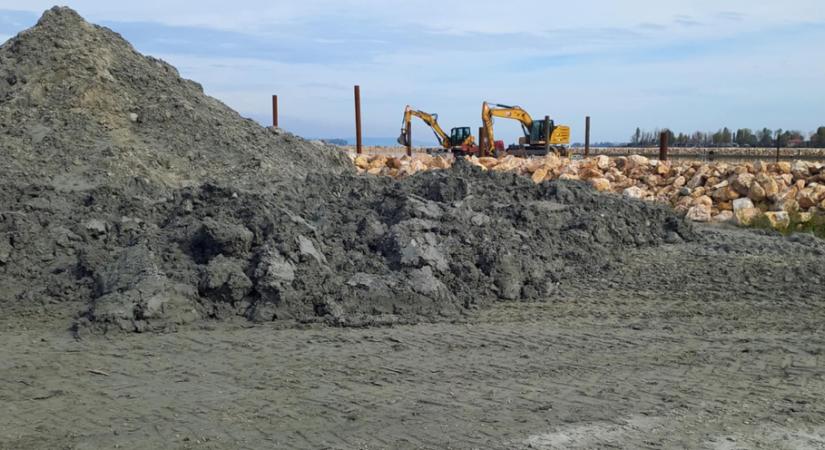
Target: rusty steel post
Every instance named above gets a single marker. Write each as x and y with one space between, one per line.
275 111
778 145
587 136
482 145
663 146
358 144
408 133
547 135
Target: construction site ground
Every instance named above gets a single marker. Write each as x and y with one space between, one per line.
617 370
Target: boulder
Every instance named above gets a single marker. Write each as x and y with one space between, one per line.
746 216
552 162
540 175
636 161
509 163
703 200
679 181
742 203
488 162
783 167
725 194
806 198
602 162
742 183
805 217
800 170
634 192
533 165
723 216
697 180
699 213
590 173
378 162
757 192
780 220
600 184
768 184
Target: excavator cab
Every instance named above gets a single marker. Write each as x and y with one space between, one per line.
559 135
537 133
459 135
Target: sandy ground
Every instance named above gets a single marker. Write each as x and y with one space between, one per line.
606 372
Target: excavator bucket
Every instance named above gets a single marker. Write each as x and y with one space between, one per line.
402 139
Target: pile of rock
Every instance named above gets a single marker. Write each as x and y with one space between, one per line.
705 192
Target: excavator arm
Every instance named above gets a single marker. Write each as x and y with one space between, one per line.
430 119
490 110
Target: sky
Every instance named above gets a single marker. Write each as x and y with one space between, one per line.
686 65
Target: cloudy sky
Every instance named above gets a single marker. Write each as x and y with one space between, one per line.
684 64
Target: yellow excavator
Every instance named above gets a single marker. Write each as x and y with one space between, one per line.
460 140
540 136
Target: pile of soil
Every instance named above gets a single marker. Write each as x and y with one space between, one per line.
80 108
189 212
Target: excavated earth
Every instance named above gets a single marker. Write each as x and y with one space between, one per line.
523 315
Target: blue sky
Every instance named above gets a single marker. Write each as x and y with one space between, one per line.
688 65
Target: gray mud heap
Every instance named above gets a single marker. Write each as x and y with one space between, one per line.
126 188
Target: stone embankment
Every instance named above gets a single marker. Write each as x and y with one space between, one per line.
713 152
704 192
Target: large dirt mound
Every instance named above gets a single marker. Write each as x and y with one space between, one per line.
127 189
79 107
349 250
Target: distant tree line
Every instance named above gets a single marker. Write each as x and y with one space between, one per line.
743 137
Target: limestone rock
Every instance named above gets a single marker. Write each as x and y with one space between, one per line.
699 213
779 220
757 192
745 216
742 203
634 161
742 183
600 184
723 216
634 192
540 175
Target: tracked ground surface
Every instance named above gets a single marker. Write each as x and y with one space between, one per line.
263 275
593 370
